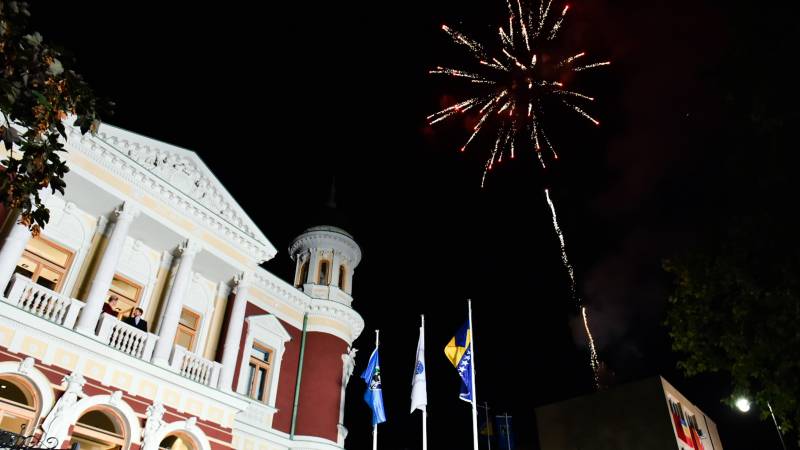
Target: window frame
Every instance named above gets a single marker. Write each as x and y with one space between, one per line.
183 328
19 410
139 290
342 276
260 364
326 273
43 262
302 274
267 330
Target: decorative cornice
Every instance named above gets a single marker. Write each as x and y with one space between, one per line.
190 247
179 183
331 240
127 212
327 308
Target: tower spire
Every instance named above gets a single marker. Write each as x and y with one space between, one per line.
332 197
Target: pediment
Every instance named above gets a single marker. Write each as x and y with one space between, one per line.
185 172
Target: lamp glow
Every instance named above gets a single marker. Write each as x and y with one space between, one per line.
743 404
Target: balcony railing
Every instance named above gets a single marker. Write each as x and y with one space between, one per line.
40 301
62 310
125 338
195 367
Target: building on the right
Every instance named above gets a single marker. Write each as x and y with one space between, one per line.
645 415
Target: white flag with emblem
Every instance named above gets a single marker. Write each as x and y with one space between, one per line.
419 391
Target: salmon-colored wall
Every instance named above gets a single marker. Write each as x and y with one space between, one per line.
321 387
320 391
139 404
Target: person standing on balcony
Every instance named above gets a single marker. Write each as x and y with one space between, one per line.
135 320
110 307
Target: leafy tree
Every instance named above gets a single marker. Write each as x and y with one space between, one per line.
38 91
736 310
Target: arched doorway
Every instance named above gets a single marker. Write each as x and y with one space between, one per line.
99 429
178 441
19 405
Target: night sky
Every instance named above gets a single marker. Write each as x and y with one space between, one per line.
282 99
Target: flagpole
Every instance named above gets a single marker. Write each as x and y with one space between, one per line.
508 432
474 388
488 425
424 411
375 427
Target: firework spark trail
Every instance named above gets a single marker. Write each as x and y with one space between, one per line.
583 113
459 38
515 85
558 23
591 66
564 259
593 359
573 93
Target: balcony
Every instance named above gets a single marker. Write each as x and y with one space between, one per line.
63 311
328 292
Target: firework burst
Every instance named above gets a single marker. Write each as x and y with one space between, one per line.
515 85
517 82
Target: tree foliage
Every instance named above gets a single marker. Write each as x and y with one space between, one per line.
38 92
736 310
735 307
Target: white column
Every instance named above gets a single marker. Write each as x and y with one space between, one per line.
348 283
313 266
172 312
233 337
336 261
12 251
105 271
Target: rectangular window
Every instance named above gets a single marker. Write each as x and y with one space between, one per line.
187 329
127 292
45 263
259 373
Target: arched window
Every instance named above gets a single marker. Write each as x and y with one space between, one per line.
324 269
342 274
18 405
99 429
301 280
178 441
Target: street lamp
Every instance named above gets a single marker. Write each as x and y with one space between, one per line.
743 404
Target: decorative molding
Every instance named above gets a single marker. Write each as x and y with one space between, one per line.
182 182
159 430
154 422
27 370
190 247
127 212
242 280
26 365
326 308
269 331
349 360
327 241
57 423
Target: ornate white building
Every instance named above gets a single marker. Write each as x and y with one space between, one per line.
231 357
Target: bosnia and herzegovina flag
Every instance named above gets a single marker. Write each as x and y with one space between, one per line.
459 352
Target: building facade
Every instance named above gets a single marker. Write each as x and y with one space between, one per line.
223 354
645 415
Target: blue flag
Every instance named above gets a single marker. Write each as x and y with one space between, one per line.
373 395
459 352
504 436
